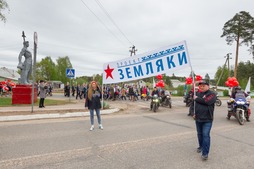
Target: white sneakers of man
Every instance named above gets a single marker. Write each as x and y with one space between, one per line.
92 127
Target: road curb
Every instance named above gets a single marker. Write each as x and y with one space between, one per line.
53 115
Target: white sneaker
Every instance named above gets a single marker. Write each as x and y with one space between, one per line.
101 127
92 128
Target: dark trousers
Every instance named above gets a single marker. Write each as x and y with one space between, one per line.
191 109
41 104
78 95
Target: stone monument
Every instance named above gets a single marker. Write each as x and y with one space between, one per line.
22 93
26 66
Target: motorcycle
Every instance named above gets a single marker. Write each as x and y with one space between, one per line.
155 103
239 109
218 101
167 101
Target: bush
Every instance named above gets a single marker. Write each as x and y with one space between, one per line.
105 105
225 93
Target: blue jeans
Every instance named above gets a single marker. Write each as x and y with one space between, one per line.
203 131
98 114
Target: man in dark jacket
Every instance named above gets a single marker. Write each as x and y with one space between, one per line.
204 109
78 92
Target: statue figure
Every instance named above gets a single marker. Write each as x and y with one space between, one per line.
26 66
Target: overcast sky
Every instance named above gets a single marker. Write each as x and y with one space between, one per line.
69 28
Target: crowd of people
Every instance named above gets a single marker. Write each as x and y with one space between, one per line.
78 91
5 92
130 92
112 92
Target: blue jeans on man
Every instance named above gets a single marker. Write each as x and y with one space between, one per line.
203 132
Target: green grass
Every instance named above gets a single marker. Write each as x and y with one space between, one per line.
7 101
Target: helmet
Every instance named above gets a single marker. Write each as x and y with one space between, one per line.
238 88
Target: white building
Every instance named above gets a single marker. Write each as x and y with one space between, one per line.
6 73
176 83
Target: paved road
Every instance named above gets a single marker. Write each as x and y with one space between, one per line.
135 139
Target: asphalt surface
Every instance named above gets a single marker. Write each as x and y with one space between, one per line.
133 138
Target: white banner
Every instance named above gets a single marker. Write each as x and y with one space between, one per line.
160 61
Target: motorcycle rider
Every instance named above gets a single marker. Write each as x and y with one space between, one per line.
154 92
166 96
163 95
237 92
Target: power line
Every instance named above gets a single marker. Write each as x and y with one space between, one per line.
111 19
102 22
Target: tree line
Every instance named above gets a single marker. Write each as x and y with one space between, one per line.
48 70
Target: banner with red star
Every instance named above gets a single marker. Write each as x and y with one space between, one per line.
160 61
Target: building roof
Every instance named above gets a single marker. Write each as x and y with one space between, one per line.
176 83
6 73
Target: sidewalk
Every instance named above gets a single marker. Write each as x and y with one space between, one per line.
77 109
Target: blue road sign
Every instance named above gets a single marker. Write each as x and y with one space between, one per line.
70 72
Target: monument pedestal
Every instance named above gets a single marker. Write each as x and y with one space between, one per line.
22 94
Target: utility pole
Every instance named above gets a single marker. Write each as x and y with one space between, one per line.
252 51
133 50
228 57
227 61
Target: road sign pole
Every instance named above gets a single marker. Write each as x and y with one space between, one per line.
70 73
70 91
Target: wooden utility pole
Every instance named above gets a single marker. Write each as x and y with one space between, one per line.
228 57
236 55
227 61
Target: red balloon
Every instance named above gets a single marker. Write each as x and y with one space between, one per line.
162 85
230 79
159 77
227 83
9 80
12 84
6 88
188 80
235 83
3 82
231 85
198 77
234 79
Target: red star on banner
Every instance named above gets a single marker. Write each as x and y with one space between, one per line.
109 72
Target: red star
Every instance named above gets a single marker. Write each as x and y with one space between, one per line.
109 72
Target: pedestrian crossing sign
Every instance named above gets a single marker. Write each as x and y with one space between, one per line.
70 72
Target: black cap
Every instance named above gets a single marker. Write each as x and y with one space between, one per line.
203 82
